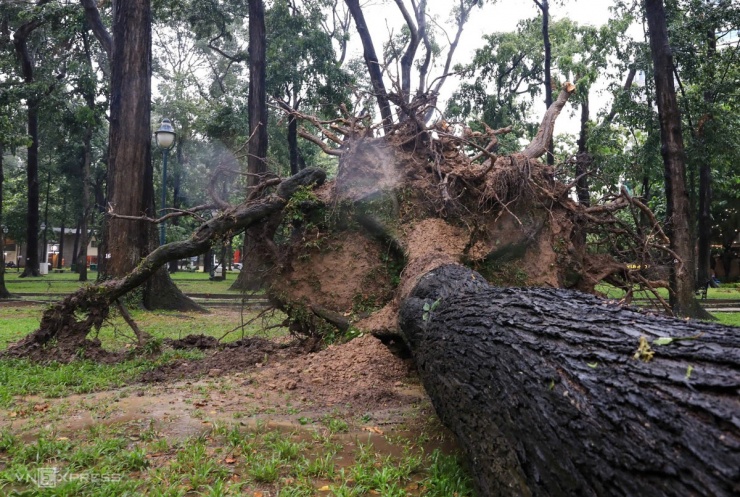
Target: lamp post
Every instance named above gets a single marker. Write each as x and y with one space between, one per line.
165 138
45 253
2 247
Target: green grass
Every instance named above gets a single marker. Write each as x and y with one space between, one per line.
729 291
67 282
226 461
22 377
115 334
728 318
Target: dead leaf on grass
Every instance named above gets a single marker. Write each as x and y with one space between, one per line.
373 429
40 407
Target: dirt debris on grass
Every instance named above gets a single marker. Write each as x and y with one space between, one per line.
361 373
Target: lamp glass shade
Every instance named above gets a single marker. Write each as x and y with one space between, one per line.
165 135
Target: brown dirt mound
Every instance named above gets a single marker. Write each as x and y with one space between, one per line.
362 372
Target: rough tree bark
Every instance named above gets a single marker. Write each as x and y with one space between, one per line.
20 41
544 6
130 172
682 278
554 392
250 278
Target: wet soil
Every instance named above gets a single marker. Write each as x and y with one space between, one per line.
251 381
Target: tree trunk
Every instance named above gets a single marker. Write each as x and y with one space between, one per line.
704 218
61 235
295 163
544 6
373 65
249 278
408 57
682 276
548 395
130 172
86 209
20 41
130 131
584 160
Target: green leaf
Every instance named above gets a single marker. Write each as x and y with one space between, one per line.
663 341
689 370
427 307
592 364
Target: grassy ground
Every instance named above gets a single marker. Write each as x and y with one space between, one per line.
730 291
228 459
67 282
334 455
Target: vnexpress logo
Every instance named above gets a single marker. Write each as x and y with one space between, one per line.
46 477
51 477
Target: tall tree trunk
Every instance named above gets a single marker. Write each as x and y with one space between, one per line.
44 254
174 266
32 183
704 218
544 6
682 279
408 57
295 164
373 65
86 209
129 136
130 170
76 244
250 278
583 159
20 41
4 293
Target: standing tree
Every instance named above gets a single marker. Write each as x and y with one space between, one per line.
25 56
682 279
544 6
250 279
130 235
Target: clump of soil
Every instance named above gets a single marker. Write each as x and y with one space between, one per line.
201 342
237 356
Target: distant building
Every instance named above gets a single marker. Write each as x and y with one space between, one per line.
16 252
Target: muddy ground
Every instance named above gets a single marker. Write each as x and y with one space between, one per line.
250 382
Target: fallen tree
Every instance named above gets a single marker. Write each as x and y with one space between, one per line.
389 236
554 392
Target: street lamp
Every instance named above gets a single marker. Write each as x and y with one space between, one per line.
45 254
5 254
165 138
